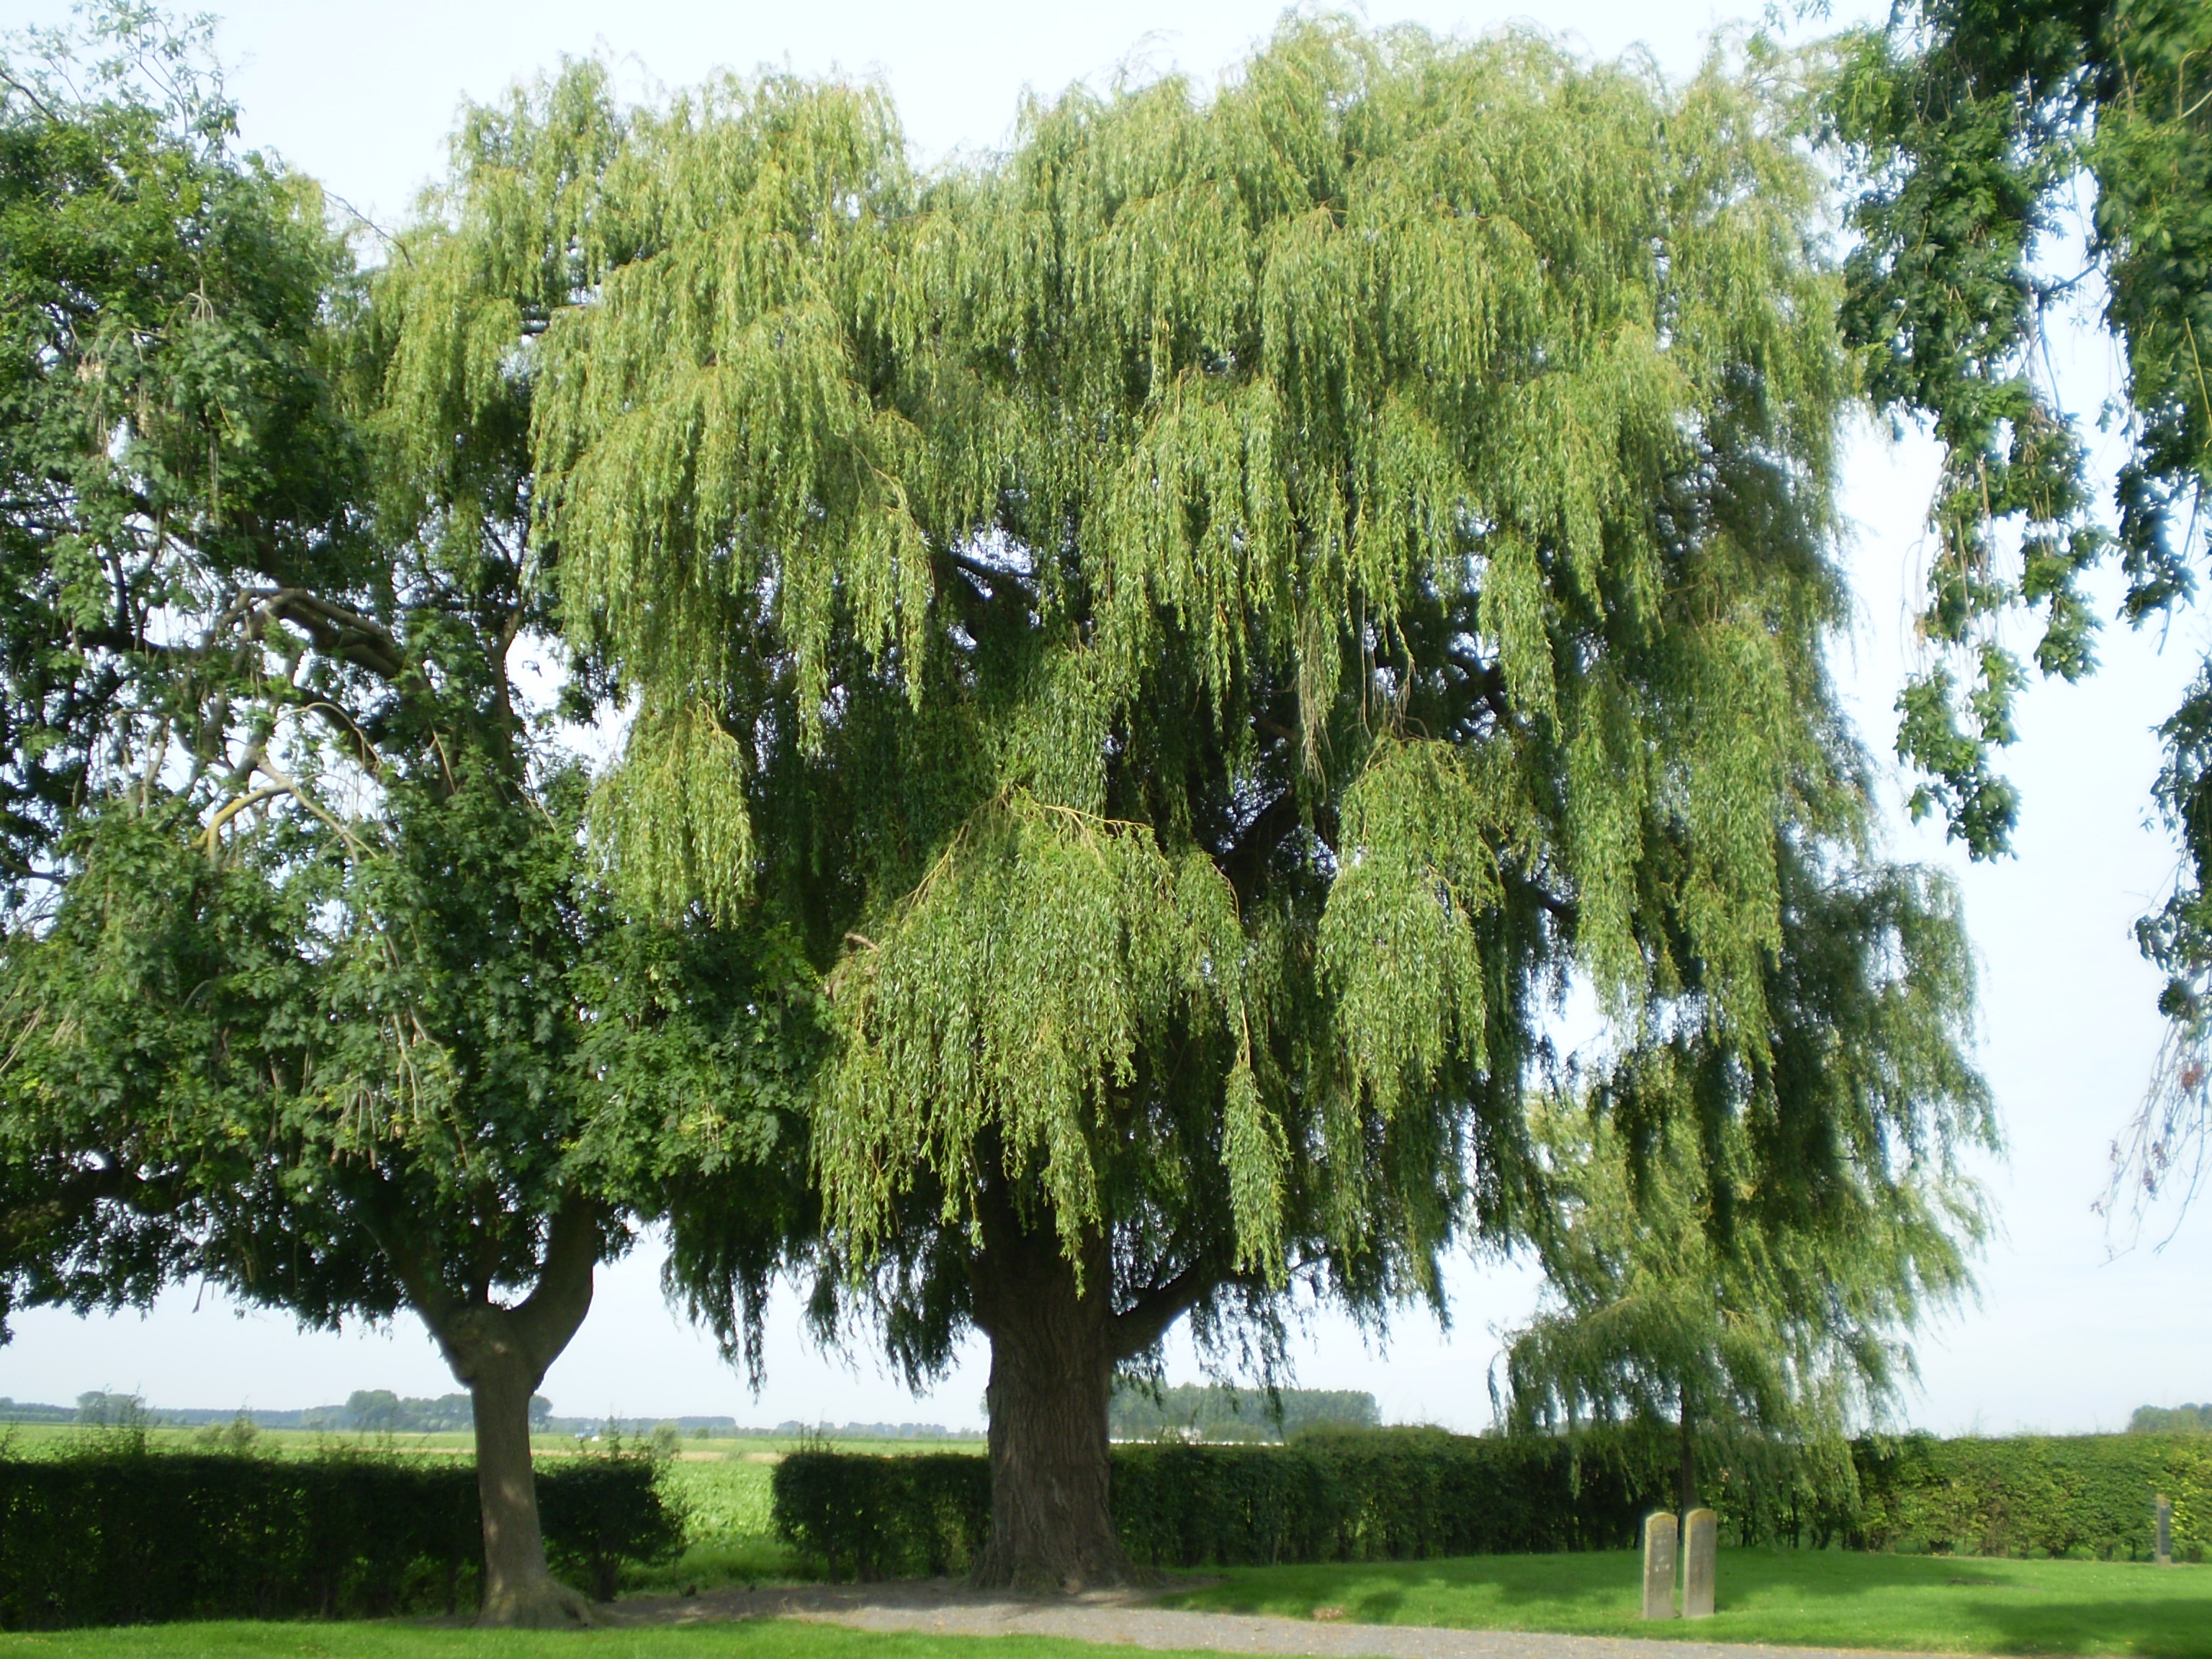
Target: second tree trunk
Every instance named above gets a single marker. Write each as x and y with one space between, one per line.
519 1590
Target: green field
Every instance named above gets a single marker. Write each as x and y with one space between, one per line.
725 1523
47 1439
764 1639
1826 1598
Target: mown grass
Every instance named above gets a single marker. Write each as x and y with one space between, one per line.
752 1639
1829 1598
1825 1599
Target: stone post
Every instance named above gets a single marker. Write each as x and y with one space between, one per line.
1659 1566
1700 1558
2165 1530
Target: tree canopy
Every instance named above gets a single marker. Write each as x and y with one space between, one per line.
1205 623
1971 122
1195 635
160 387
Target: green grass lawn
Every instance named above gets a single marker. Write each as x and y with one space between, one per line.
1942 1604
1818 1599
756 1639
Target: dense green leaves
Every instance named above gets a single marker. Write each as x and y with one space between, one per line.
165 416
328 1000
1972 121
1102 956
1193 634
1962 122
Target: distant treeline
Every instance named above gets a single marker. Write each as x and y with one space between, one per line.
367 1410
1184 1413
380 1411
2172 1420
1191 1413
27 1410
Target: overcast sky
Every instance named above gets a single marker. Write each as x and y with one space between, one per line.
2068 1334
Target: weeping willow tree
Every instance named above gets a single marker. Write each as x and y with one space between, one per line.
1683 1281
1205 623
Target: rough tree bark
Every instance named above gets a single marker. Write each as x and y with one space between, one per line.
501 1354
1052 1376
1055 1344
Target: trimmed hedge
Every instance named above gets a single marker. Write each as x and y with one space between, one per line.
1406 1493
1328 1495
2060 1495
106 1537
1379 1496
599 1512
851 1515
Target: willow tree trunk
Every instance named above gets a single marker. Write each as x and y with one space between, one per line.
500 1354
1053 1352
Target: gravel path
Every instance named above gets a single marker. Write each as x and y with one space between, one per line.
1127 1618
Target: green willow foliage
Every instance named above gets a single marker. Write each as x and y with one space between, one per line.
1209 618
1659 1305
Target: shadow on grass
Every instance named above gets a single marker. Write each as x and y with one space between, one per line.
1812 1598
2163 1630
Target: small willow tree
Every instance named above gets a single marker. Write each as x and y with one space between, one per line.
1205 621
1684 1281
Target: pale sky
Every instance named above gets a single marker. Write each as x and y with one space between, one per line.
2067 1335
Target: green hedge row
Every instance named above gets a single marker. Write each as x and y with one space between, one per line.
1406 1493
1352 1497
2062 1495
854 1515
108 1538
1338 1496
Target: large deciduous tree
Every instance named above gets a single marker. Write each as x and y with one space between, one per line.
158 305
327 1002
1205 623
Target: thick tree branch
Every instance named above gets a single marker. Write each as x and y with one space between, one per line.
540 1325
1247 858
1141 1324
549 1316
335 631
69 1200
